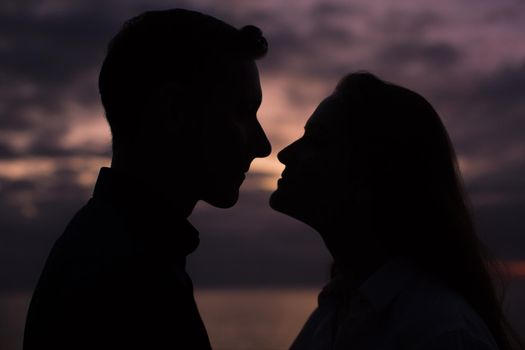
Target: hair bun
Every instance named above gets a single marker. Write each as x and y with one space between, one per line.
253 41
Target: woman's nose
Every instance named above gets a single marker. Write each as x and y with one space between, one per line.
286 154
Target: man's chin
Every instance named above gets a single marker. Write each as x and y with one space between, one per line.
223 200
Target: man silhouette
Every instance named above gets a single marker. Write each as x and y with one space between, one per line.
180 90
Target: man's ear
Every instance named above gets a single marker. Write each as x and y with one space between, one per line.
166 106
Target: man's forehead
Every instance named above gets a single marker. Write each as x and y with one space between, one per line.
247 76
241 74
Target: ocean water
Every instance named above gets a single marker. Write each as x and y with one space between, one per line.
255 319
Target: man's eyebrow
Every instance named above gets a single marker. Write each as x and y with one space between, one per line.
254 101
258 99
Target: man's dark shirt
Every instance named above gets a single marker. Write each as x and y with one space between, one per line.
116 278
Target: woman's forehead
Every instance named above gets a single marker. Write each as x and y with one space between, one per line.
330 113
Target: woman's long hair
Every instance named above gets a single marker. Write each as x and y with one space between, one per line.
420 202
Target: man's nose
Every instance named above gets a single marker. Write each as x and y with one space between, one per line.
262 146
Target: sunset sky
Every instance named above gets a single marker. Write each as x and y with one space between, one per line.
466 56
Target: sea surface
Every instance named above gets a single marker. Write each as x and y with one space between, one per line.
256 319
238 319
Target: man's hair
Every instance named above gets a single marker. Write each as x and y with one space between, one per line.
178 46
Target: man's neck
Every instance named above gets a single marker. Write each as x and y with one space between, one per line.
173 194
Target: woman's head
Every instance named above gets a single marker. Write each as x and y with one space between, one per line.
373 154
376 170
315 168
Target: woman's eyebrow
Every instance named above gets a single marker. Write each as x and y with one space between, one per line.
314 127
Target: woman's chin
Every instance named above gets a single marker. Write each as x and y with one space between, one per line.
278 201
283 202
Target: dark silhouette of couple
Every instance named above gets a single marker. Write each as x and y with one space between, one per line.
375 174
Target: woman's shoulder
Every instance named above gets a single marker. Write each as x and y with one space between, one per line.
430 313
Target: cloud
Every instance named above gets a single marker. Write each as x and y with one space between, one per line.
6 150
467 61
33 212
488 125
50 62
502 228
435 55
410 21
336 9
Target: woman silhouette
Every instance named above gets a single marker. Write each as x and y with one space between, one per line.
376 175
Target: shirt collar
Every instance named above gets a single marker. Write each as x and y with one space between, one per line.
377 291
152 216
384 285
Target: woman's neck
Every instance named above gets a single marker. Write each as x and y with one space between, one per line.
357 255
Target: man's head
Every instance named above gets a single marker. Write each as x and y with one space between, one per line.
181 91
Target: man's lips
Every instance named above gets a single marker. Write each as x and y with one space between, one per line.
246 168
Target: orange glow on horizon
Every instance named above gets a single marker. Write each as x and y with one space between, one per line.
516 268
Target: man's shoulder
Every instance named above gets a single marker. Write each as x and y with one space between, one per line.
84 241
94 217
89 224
